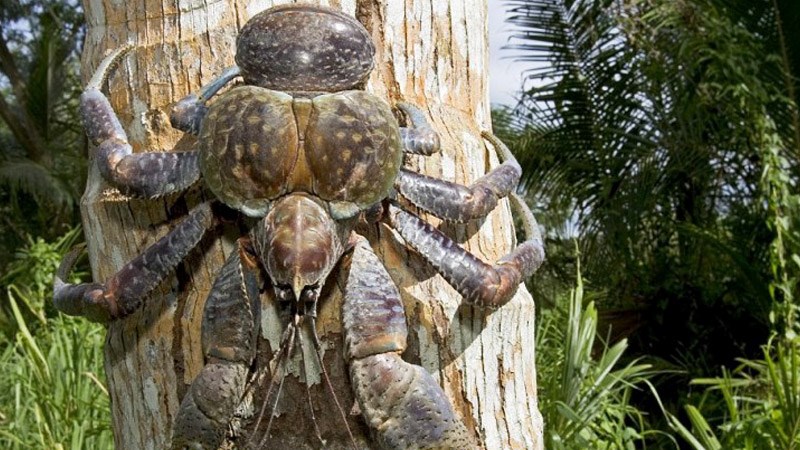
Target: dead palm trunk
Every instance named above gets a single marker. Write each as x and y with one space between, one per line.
433 54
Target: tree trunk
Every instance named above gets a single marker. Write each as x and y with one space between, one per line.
433 54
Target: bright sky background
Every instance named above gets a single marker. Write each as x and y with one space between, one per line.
505 75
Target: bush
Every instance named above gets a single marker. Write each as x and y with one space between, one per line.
585 400
51 393
760 401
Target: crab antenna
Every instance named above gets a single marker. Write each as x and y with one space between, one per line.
318 351
280 387
282 350
100 75
308 391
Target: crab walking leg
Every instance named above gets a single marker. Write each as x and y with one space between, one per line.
401 402
124 291
187 115
451 201
143 174
228 336
479 283
420 138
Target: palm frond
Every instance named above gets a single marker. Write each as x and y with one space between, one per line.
581 95
25 176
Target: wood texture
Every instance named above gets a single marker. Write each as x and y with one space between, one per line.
432 53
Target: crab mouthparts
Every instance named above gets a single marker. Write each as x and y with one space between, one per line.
299 245
305 299
297 288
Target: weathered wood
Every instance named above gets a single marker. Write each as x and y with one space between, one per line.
431 53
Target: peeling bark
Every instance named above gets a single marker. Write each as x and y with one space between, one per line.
431 53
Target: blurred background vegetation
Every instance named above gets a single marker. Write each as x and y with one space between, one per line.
663 137
51 366
660 141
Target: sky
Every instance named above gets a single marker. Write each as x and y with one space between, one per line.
505 75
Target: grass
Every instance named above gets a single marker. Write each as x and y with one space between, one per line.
51 396
759 403
584 394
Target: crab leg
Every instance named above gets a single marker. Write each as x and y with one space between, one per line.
419 139
141 174
401 402
187 115
479 283
124 291
451 201
228 336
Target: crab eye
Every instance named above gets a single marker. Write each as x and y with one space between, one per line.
283 292
310 293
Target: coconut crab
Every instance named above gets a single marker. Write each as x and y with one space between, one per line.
302 151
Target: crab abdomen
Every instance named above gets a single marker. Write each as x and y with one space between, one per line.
258 145
303 47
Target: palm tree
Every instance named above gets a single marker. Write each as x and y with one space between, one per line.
42 149
646 123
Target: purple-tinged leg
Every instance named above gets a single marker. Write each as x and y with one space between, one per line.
401 402
123 293
479 283
187 115
143 174
419 138
229 345
451 201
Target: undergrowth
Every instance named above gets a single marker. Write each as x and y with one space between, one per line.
51 392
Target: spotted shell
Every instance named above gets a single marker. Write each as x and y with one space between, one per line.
304 48
257 145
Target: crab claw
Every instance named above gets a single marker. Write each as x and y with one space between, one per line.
402 403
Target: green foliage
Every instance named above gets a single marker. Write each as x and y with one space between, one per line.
34 265
30 276
761 404
783 214
645 127
584 396
665 135
42 146
760 399
51 395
